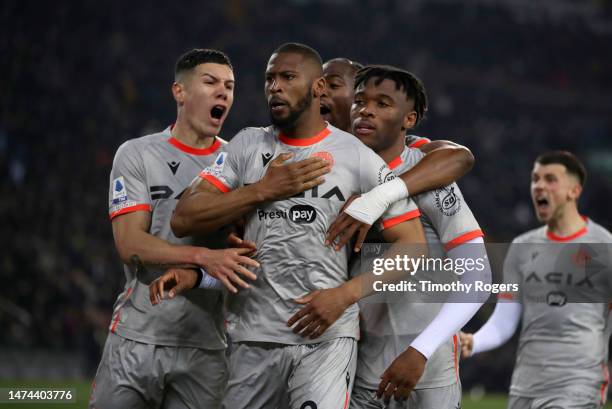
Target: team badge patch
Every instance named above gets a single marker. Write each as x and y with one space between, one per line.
447 201
119 190
326 156
385 174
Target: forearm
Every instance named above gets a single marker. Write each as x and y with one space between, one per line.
456 312
437 169
200 212
152 250
499 328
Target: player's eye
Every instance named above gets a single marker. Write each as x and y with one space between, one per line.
358 102
334 86
289 77
382 104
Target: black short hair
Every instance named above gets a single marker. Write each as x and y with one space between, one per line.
197 56
301 49
404 80
567 159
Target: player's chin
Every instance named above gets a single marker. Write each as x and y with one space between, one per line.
212 127
542 216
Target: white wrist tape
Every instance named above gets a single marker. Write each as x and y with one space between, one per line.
370 206
209 282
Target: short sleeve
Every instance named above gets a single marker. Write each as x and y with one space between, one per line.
374 171
450 215
414 141
128 190
226 172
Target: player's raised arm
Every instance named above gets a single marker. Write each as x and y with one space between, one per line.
210 203
444 162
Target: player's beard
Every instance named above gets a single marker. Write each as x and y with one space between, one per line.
289 121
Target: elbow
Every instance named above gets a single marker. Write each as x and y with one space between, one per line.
467 159
125 250
179 225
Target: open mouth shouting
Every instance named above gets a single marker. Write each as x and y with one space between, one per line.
216 114
541 203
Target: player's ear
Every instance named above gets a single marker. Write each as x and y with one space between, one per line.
178 92
318 87
575 191
409 120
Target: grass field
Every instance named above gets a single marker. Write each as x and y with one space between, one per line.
82 390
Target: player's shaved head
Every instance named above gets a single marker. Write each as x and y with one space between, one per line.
351 66
311 58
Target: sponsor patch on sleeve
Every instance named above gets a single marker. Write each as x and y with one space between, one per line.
216 168
119 191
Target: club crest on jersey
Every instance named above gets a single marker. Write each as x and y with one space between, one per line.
119 190
385 174
326 156
447 201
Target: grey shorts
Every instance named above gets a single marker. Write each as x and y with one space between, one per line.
315 376
445 397
136 375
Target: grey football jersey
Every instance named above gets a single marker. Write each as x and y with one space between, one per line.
561 344
290 233
414 141
150 173
388 328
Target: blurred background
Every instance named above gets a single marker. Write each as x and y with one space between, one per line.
507 78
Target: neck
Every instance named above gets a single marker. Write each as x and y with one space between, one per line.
187 134
395 150
307 125
568 221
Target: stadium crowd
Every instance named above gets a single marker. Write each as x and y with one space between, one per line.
79 79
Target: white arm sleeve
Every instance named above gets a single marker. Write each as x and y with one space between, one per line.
453 316
499 328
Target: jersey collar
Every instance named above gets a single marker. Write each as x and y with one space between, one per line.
394 163
191 150
552 236
304 141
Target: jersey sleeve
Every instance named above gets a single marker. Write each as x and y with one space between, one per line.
374 172
226 173
128 191
450 215
446 210
414 141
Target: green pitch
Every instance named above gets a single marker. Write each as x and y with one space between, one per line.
83 388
